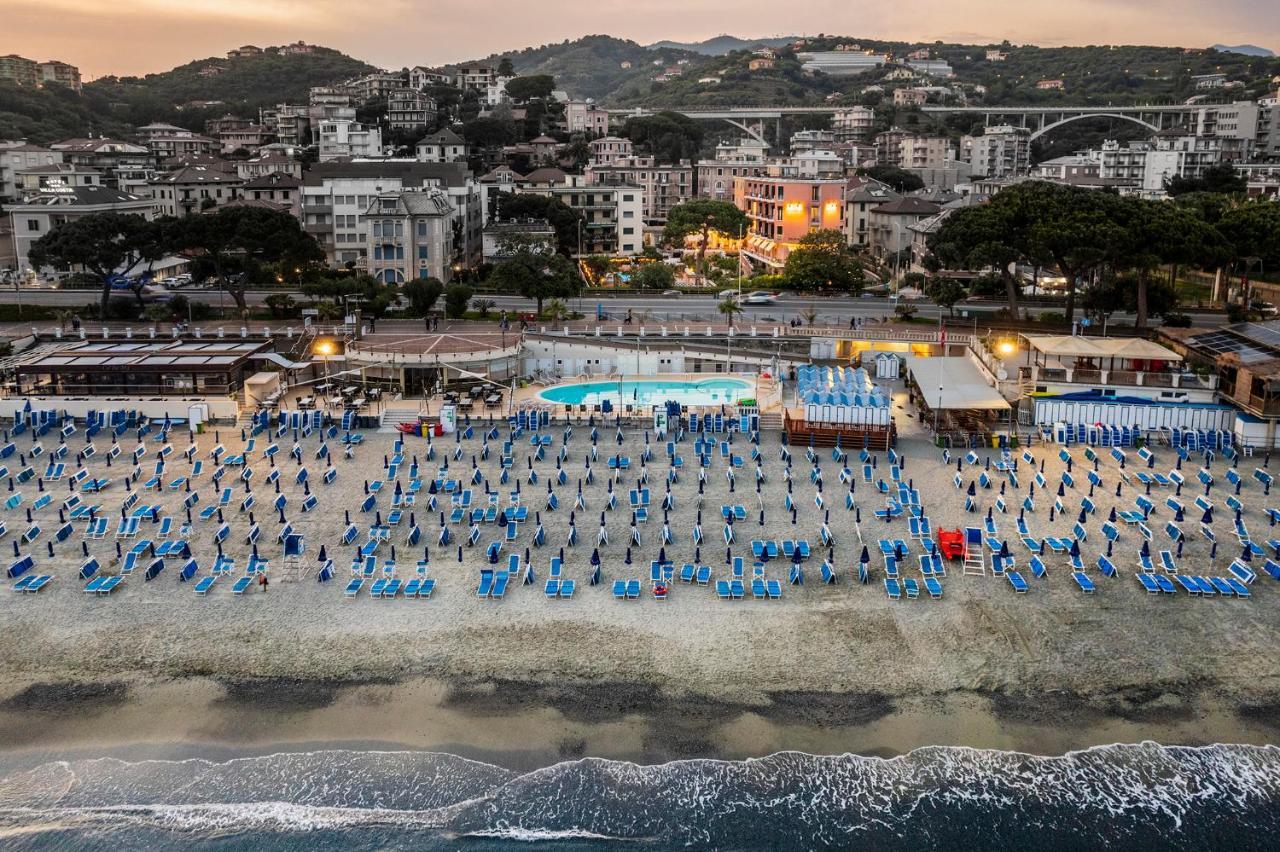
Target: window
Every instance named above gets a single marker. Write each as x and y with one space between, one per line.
628 214
422 228
33 225
628 198
629 231
422 253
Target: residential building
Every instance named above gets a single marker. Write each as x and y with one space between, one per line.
340 139
214 126
410 109
278 188
663 185
745 158
246 52
33 179
1072 168
443 146
535 233
194 189
1051 85
125 166
476 77
16 156
20 71
1001 151
782 206
500 181
816 164
890 224
167 140
841 63
995 54
291 123
61 73
410 235
543 148
760 63
1267 142
1237 122
248 138
296 49
327 103
586 117
379 84
496 92
336 197
1208 81
614 215
861 195
1178 156
910 97
421 78
920 153
853 124
268 164
36 216
608 149
804 141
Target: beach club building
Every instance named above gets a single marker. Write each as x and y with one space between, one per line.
1072 381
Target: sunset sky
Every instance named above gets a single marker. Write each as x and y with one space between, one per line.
141 36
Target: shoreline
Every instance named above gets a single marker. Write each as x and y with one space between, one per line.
526 726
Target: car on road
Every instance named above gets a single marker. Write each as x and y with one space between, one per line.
760 297
671 294
728 294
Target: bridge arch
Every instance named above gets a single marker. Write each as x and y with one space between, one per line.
1117 115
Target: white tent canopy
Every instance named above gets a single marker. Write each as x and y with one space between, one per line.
1073 346
962 385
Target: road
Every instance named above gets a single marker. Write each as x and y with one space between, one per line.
832 310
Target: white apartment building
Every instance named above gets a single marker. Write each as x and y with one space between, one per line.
422 78
1001 151
663 186
17 156
343 138
1181 156
614 215
410 235
443 146
336 198
379 84
586 117
803 141
477 77
859 201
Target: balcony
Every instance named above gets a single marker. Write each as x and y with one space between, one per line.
1118 378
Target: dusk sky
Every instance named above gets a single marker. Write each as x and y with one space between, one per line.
141 36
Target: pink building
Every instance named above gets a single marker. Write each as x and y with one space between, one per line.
782 207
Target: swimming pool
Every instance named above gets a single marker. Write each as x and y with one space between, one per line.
709 391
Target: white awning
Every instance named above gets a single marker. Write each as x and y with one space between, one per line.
1076 346
962 386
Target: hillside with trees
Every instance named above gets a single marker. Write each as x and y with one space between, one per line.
592 66
111 105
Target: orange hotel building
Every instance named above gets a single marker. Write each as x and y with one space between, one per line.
782 207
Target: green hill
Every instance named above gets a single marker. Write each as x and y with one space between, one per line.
111 105
592 66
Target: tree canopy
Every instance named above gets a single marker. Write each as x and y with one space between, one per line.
104 245
563 218
821 259
538 276
539 86
701 216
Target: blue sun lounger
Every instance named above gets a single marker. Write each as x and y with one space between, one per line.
1018 583
892 589
1083 581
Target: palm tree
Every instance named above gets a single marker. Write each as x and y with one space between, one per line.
729 307
328 310
555 310
63 317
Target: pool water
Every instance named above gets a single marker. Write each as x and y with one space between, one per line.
708 391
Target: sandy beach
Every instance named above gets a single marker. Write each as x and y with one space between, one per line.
827 669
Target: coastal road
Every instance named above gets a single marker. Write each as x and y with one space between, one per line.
830 310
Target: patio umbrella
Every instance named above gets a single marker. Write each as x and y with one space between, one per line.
1075 547
1004 549
1146 548
1207 517
595 557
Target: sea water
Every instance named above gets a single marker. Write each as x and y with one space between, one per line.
1143 796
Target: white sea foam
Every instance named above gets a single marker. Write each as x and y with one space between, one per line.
1112 793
